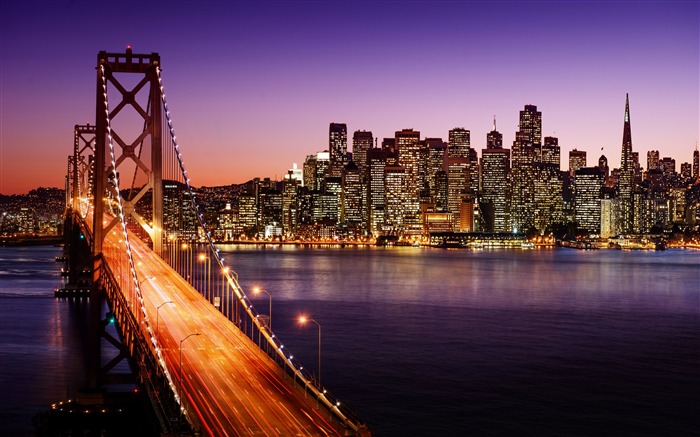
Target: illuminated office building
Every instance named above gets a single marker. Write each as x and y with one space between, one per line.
588 185
495 169
577 159
337 148
376 161
459 143
408 149
457 188
351 211
395 197
526 148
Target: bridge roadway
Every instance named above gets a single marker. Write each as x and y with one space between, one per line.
231 387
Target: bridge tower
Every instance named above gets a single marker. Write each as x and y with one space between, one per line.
120 70
78 194
128 139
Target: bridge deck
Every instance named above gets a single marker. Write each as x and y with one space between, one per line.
231 387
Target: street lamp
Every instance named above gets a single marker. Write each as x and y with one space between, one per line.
157 310
257 290
207 274
181 390
146 279
303 320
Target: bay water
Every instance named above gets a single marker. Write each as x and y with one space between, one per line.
427 342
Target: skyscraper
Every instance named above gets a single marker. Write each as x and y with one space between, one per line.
457 186
495 167
408 148
653 160
337 148
362 142
526 149
352 202
494 139
376 159
395 197
625 185
696 162
459 143
588 183
549 202
577 159
435 162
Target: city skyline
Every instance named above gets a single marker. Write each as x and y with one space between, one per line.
244 83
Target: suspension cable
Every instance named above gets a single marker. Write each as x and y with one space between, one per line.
122 218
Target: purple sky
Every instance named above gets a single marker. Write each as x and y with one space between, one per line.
252 87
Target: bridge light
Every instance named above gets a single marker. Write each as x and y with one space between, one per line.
111 318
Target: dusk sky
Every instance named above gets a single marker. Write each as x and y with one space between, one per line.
253 86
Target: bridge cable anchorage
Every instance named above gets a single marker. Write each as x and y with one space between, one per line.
122 218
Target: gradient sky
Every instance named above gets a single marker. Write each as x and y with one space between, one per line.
252 86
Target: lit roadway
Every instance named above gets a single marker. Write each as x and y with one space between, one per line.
231 388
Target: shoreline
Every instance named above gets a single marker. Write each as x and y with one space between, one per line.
30 240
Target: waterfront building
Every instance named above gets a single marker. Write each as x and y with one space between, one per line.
332 198
467 213
441 191
409 154
248 213
376 161
352 204
495 168
289 202
548 197
457 188
362 142
396 197
609 216
435 162
588 185
179 216
525 151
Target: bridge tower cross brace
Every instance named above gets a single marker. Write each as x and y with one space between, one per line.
146 66
83 140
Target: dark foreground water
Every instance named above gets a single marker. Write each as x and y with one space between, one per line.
431 342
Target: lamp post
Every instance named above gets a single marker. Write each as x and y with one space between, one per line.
157 314
146 279
303 320
258 290
207 274
181 390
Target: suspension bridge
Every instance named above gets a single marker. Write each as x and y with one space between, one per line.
137 244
